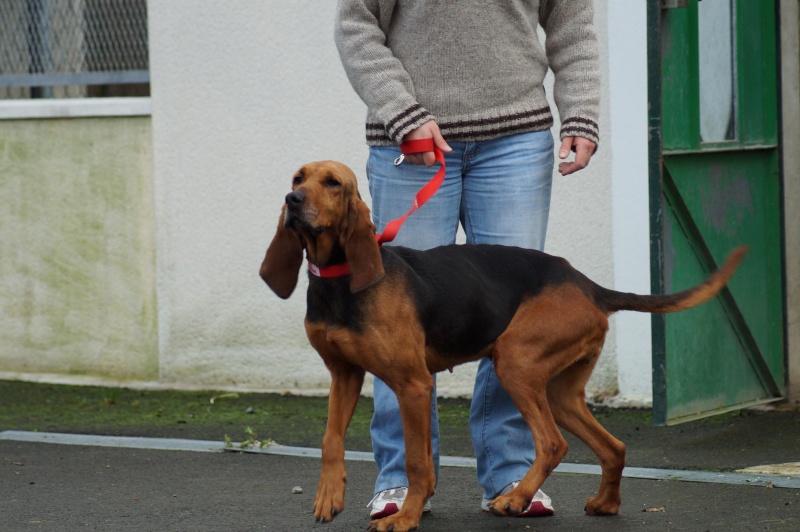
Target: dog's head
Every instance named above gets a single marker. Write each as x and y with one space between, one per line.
324 215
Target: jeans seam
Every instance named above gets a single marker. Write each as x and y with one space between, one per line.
487 407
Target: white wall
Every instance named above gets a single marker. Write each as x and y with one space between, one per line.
627 95
245 92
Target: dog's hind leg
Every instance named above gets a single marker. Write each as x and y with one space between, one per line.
528 390
568 404
547 335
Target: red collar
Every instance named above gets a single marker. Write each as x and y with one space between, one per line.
390 231
328 272
335 270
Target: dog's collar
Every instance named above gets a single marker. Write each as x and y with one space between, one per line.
328 272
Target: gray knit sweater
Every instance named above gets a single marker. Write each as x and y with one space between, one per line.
474 66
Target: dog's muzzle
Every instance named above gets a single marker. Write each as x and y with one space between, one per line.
299 213
295 199
294 204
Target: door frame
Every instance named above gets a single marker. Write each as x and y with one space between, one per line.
789 67
655 163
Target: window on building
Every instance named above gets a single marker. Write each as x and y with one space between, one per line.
73 48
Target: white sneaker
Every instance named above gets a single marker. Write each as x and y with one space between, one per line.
389 502
540 505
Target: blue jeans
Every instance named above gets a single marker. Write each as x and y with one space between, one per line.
499 190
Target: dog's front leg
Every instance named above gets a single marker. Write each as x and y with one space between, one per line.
345 390
414 397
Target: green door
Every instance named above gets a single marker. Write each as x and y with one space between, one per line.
715 184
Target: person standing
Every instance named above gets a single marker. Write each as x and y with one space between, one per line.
469 75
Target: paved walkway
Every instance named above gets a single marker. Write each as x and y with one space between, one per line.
147 484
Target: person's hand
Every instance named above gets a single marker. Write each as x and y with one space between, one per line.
428 130
584 149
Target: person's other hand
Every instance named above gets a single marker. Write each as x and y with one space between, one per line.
428 130
584 149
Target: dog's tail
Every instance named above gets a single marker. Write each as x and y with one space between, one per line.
612 301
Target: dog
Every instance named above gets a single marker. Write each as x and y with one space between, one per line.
404 315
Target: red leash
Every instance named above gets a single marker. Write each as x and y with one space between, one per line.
424 194
391 229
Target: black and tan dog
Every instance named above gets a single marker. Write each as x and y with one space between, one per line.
403 315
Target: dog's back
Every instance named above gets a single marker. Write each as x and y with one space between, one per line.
466 295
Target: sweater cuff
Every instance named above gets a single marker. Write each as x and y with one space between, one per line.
580 127
407 121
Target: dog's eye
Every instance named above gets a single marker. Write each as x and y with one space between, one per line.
333 183
297 180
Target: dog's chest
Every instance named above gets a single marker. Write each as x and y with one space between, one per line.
330 302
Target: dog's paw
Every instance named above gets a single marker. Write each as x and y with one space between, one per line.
602 505
394 523
511 504
329 501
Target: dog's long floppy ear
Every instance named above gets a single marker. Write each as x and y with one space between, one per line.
281 265
362 251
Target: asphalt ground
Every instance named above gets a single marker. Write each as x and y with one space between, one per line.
64 487
68 487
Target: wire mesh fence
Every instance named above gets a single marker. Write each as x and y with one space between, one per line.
63 48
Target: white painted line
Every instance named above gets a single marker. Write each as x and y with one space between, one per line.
713 477
165 444
125 442
74 108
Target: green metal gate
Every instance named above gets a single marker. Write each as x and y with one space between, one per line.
715 184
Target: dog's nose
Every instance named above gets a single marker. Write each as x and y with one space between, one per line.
295 198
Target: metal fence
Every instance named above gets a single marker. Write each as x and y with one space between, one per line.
71 43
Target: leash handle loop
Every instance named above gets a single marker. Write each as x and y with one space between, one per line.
424 194
417 146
